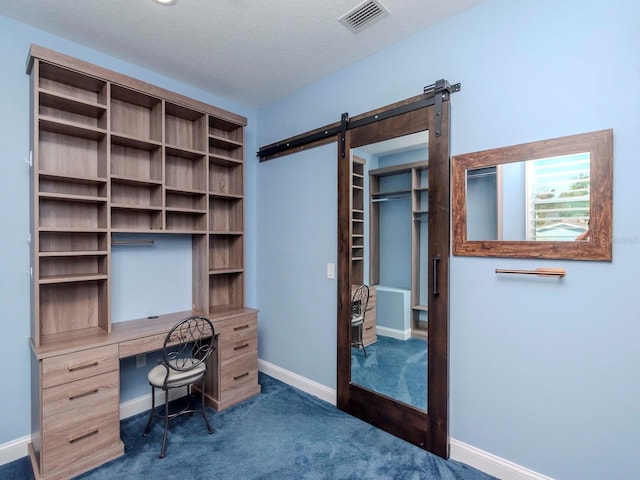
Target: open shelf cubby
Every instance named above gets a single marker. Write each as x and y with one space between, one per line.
184 127
185 170
72 306
72 84
226 180
225 215
226 291
136 114
226 253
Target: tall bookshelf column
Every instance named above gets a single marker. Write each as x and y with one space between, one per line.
226 214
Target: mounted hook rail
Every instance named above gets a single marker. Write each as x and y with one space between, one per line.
540 272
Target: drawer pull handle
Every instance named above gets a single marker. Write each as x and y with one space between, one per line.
369 327
245 374
241 327
240 347
84 435
82 394
83 366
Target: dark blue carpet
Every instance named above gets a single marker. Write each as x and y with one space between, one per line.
395 368
282 433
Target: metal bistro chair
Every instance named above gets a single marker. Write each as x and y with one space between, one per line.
359 302
185 351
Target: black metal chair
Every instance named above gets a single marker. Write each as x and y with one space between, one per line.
359 302
185 351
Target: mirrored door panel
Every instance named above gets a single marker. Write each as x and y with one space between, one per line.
389 246
393 237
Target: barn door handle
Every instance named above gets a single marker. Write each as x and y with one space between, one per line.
436 260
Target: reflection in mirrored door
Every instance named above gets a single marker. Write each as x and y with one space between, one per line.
389 247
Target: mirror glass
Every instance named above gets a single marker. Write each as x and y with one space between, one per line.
536 200
548 199
389 243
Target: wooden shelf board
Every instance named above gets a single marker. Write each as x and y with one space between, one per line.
84 277
422 308
225 271
70 104
224 161
224 143
190 211
124 140
55 125
140 208
185 191
74 253
228 233
230 196
135 181
71 230
187 153
71 178
65 197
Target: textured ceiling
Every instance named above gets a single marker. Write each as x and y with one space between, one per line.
251 51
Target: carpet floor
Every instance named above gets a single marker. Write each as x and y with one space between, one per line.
281 434
395 368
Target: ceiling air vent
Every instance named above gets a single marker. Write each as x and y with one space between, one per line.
363 15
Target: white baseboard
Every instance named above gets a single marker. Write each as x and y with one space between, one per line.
393 333
491 464
472 456
14 449
143 403
309 386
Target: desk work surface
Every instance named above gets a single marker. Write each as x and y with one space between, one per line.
130 335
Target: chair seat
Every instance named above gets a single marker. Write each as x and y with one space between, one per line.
176 378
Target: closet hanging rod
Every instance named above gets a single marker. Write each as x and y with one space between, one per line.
131 242
540 272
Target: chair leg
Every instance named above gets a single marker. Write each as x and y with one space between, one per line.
204 414
166 423
153 407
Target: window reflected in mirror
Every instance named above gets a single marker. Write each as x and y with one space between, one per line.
548 199
536 200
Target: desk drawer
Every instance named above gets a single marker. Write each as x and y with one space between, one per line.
82 395
77 365
71 437
237 329
242 345
141 345
238 375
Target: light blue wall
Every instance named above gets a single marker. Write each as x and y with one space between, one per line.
543 372
15 39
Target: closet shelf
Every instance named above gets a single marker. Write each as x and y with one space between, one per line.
55 125
66 197
83 277
59 101
74 253
224 160
130 141
59 177
183 152
135 181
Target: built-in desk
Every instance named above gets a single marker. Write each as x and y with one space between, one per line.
76 400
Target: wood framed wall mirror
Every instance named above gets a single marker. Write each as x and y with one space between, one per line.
550 199
393 237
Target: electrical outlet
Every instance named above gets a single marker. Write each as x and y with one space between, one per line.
141 360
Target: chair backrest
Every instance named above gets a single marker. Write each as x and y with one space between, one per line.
359 301
189 343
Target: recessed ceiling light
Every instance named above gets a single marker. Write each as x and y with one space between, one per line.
165 2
